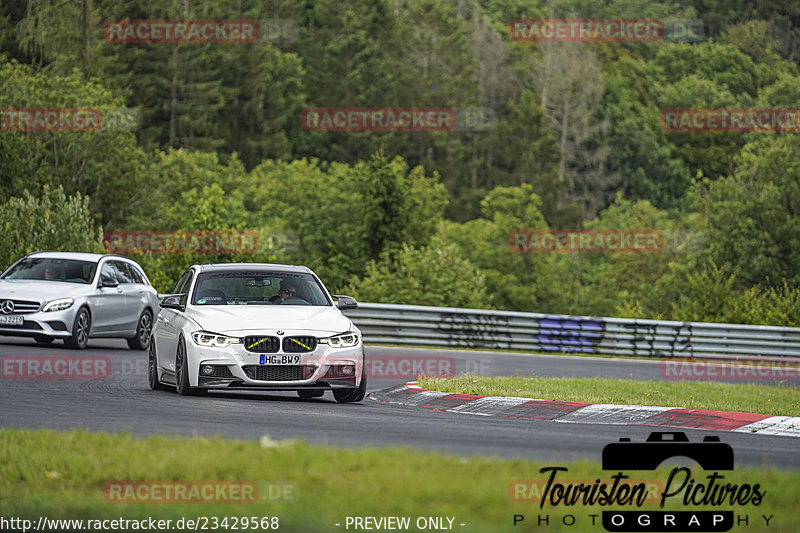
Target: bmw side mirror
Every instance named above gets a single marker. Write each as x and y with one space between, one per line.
345 302
173 301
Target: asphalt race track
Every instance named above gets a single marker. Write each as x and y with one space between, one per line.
123 402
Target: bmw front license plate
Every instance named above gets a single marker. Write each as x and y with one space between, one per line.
10 320
275 359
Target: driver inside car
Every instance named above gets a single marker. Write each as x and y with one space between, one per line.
287 291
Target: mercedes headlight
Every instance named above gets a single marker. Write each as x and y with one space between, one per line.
343 340
58 305
204 338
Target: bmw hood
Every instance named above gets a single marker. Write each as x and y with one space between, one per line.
40 290
237 319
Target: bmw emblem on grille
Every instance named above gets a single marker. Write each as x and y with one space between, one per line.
7 307
279 332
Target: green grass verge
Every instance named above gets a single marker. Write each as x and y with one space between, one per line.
62 475
764 399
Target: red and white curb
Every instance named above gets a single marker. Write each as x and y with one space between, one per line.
589 413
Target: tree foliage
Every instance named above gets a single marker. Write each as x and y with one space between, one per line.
50 220
572 139
750 219
436 274
106 165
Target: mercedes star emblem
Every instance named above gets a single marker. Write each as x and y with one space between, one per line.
7 307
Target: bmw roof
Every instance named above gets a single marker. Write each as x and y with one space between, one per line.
258 266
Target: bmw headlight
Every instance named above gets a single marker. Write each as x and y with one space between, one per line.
58 305
343 340
204 338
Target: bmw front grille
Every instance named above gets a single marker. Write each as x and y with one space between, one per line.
279 372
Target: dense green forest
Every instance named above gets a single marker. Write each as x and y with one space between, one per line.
422 217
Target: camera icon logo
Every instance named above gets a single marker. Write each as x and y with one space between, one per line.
710 454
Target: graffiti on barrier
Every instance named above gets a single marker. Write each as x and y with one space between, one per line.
476 331
570 334
650 339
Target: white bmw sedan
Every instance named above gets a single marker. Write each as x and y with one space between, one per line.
256 326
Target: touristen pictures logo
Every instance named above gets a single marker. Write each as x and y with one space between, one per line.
707 500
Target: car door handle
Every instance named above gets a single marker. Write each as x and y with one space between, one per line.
119 291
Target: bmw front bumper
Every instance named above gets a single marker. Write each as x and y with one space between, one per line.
233 367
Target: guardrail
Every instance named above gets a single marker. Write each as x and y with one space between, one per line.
478 328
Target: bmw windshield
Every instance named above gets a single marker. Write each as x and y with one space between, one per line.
248 287
66 270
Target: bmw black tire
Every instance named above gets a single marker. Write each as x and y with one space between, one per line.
182 386
182 370
152 368
352 395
